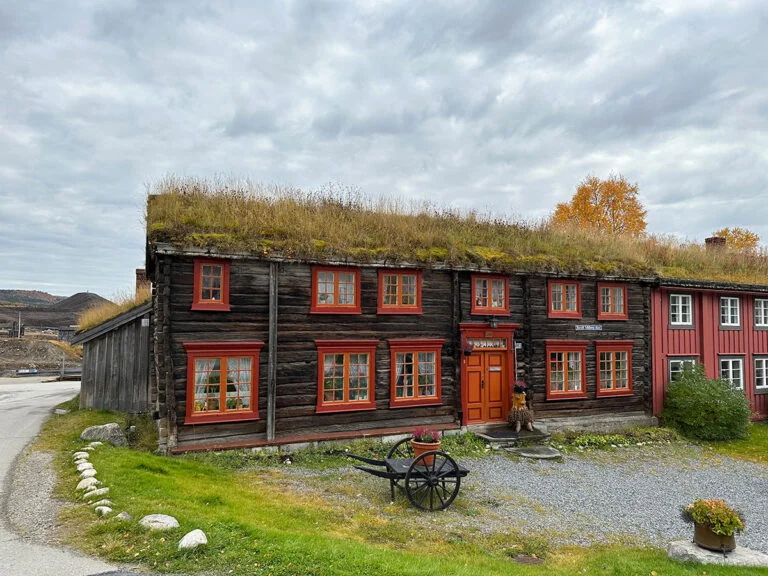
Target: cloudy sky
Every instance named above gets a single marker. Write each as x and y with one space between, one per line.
495 105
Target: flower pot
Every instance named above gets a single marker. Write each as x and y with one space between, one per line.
705 538
420 447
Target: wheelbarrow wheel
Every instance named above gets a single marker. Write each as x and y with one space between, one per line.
403 449
432 482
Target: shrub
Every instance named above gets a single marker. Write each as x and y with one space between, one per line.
721 518
706 409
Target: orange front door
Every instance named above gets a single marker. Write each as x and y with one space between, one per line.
486 386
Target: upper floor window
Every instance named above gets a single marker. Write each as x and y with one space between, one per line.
415 372
211 285
335 290
732 370
677 366
566 370
761 312
612 302
346 375
490 295
681 310
564 299
222 381
614 368
729 311
399 292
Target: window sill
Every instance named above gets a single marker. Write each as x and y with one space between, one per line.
489 312
210 307
681 326
340 310
220 418
412 311
613 317
360 407
728 327
761 391
566 396
612 393
565 315
417 402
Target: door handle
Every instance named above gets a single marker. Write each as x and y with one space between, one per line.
482 384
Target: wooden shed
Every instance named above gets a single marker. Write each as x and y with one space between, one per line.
116 362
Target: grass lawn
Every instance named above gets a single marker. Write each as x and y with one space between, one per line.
753 448
256 524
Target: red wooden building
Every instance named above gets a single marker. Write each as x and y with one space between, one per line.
723 326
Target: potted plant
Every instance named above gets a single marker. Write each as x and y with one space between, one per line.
715 524
425 440
467 347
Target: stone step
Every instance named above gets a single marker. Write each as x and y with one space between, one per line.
504 436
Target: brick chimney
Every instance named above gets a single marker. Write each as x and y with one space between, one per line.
141 280
715 243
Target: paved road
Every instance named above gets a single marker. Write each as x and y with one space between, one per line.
24 404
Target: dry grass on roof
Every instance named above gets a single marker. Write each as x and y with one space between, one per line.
105 311
335 224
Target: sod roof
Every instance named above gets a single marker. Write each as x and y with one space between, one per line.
341 226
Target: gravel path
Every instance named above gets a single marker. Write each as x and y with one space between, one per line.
599 496
32 511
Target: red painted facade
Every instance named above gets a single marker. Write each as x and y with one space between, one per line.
706 340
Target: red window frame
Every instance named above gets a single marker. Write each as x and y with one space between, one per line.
613 347
415 346
563 313
221 350
612 315
198 303
488 309
565 346
399 308
335 308
346 347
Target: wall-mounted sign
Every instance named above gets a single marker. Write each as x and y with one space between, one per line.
518 345
588 327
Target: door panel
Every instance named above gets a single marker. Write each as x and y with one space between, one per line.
474 390
494 385
486 389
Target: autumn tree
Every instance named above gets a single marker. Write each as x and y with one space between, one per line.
608 206
739 239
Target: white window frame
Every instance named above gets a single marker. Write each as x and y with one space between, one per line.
763 361
675 307
727 310
727 374
761 312
692 360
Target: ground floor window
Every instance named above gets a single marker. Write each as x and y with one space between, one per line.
566 370
415 372
222 381
761 374
346 377
677 366
732 370
614 368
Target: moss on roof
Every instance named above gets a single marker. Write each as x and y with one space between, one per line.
330 226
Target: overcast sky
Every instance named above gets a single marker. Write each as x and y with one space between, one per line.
495 105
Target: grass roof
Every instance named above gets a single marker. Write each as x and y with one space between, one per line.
104 312
344 225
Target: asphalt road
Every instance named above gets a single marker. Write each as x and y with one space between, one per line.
25 403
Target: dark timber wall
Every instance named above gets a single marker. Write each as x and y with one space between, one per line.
116 368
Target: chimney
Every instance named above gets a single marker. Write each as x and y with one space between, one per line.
141 280
715 243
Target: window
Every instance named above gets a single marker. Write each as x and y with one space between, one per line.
761 374
612 302
345 375
335 290
681 310
415 372
614 368
566 372
677 366
761 313
731 370
399 292
564 299
490 295
729 311
211 278
222 381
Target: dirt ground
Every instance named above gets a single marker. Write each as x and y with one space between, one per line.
23 353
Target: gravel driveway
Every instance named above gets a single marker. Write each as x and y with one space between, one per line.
599 496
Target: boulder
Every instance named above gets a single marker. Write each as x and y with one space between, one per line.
193 540
86 483
111 433
83 466
93 494
79 455
102 503
124 516
88 473
687 551
159 522
103 510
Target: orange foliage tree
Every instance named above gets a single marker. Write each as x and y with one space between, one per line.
608 206
740 239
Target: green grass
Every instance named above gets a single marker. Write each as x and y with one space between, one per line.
628 437
334 224
256 524
753 448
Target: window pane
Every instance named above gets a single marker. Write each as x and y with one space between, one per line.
556 372
497 294
333 377
618 300
390 290
605 300
574 371
571 300
346 288
358 377
556 292
409 290
481 292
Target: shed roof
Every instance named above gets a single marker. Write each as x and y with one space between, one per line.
113 323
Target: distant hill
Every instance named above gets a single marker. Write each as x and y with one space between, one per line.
27 298
60 312
79 302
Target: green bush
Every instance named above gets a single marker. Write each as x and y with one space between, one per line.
706 409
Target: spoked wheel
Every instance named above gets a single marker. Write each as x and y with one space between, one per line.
432 486
402 449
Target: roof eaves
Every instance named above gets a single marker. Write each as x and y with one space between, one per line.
111 324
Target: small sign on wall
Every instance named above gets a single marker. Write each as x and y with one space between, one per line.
518 345
588 328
